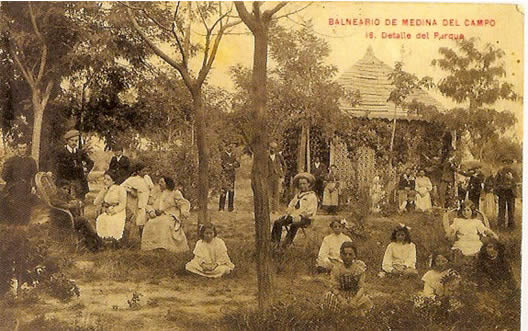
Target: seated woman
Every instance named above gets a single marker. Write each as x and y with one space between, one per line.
164 228
400 255
493 270
210 255
329 253
300 211
466 230
347 282
111 208
440 280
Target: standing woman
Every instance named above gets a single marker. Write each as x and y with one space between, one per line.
331 190
111 206
423 187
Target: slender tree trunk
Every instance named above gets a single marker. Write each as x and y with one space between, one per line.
308 149
301 152
38 115
392 139
203 155
259 172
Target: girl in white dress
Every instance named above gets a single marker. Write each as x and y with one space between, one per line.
440 280
329 253
400 255
111 208
210 255
466 230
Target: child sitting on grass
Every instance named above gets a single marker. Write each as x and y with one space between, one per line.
400 255
440 280
210 255
493 270
329 253
347 281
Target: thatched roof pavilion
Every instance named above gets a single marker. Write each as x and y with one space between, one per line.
371 77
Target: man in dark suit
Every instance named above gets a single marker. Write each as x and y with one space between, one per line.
16 198
506 181
319 171
275 175
73 165
229 166
120 164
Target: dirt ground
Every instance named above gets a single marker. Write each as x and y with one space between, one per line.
169 298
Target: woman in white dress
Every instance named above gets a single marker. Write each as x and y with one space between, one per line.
210 255
164 229
423 187
111 208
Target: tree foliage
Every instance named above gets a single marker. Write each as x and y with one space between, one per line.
477 78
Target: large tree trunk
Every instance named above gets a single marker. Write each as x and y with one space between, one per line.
259 172
203 156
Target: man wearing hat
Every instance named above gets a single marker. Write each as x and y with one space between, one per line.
16 198
300 211
275 174
505 184
73 165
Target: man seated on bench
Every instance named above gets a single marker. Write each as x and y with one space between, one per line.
62 198
300 211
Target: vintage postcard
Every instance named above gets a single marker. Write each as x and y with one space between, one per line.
260 165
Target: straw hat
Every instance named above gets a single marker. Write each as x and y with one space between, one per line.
308 176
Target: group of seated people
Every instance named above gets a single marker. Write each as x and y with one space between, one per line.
156 213
480 260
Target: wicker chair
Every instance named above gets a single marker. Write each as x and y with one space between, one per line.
45 189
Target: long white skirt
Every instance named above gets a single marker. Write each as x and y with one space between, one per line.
111 226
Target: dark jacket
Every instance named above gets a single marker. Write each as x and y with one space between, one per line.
121 167
229 164
276 167
73 166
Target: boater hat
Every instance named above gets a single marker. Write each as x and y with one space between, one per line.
71 134
308 176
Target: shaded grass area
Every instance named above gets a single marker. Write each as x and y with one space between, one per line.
229 303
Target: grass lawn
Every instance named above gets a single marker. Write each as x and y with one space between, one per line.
167 298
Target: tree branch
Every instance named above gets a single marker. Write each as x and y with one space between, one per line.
295 11
245 16
178 66
22 68
266 16
44 54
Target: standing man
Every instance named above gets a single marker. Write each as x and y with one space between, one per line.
229 166
475 186
505 183
73 165
275 175
319 171
120 164
17 198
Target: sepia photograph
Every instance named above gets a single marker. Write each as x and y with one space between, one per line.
237 165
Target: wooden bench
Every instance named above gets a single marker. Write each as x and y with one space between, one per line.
46 189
